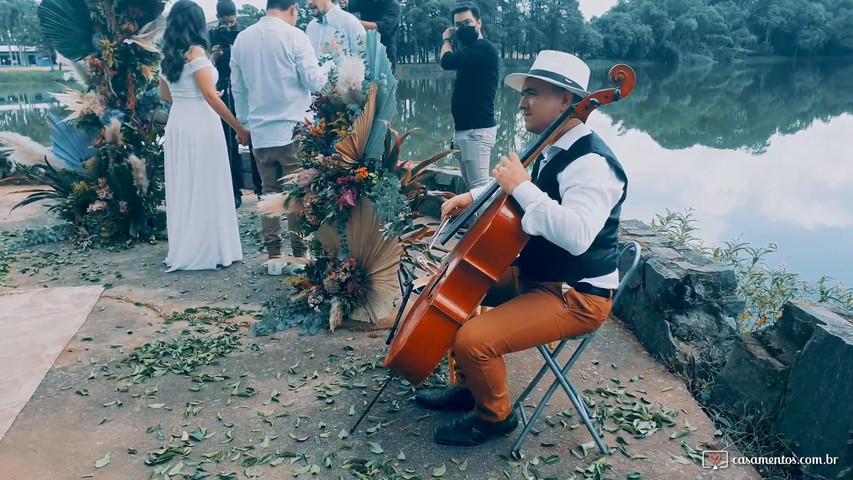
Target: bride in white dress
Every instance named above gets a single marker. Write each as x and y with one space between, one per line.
200 217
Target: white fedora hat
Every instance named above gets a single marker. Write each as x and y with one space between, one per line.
557 68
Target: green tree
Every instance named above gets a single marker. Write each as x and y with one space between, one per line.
19 26
248 14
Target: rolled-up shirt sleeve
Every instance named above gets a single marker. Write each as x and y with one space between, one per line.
589 187
313 77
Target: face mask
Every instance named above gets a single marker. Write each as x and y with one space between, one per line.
467 34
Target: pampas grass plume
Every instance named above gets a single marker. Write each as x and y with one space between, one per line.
26 151
336 314
273 205
350 78
140 175
113 133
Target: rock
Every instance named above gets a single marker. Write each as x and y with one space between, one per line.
817 415
752 374
799 319
447 179
776 342
682 305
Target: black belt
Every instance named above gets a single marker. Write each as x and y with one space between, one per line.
583 287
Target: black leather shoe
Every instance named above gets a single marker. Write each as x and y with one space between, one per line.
238 200
450 398
472 430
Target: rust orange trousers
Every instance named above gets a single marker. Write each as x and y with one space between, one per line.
526 314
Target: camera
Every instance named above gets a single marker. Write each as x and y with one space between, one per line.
225 37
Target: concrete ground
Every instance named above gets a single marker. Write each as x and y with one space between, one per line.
205 395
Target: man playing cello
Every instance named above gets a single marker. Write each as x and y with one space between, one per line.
562 283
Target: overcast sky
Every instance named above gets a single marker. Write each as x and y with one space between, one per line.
588 7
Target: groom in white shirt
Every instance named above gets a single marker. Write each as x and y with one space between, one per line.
332 26
274 69
562 283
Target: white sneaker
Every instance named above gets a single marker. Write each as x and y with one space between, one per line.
285 265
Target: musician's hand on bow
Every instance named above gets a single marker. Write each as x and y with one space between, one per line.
510 173
456 205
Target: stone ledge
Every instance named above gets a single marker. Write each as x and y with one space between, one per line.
682 306
817 416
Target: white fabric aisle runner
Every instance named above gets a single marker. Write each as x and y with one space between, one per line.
35 326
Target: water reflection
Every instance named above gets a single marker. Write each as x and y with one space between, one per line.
733 107
30 120
757 150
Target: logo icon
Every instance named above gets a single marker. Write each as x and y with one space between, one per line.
715 459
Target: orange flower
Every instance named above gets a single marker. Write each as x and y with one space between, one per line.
361 173
318 130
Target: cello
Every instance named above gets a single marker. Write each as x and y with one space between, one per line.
486 251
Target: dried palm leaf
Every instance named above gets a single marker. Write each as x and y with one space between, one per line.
379 72
67 27
378 257
328 236
71 146
352 146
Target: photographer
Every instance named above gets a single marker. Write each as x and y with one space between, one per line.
222 38
472 103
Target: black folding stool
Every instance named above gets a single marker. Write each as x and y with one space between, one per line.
562 372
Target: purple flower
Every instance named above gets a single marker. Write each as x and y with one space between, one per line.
347 199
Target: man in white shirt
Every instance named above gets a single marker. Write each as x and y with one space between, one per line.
273 71
562 283
332 26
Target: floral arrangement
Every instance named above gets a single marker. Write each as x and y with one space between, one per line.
355 198
105 169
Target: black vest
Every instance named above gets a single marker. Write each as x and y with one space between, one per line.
543 261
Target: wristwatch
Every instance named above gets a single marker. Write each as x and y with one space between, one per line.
447 40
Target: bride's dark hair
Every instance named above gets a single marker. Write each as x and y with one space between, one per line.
185 27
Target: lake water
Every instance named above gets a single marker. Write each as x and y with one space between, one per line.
759 152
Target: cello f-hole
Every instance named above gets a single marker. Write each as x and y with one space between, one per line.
437 281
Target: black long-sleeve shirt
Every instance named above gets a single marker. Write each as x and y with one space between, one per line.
477 69
386 15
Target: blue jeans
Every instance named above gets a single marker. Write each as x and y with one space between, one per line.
475 153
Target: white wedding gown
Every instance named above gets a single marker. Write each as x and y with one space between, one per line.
200 216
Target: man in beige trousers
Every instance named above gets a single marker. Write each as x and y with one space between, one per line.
274 69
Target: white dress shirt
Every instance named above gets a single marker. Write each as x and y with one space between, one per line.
338 25
273 71
589 187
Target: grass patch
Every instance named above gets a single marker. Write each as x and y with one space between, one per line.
29 76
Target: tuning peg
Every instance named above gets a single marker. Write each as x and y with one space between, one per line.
595 102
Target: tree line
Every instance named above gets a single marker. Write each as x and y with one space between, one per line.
669 31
